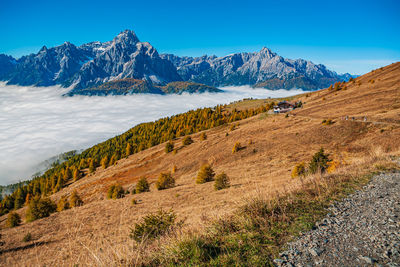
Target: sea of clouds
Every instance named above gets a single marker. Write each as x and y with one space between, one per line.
37 123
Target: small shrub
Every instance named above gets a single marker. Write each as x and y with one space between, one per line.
221 181
233 127
110 191
287 115
175 151
337 86
227 134
327 122
187 141
319 162
332 166
174 169
75 200
236 147
27 237
134 201
206 174
153 225
299 170
118 192
13 219
62 204
169 147
203 136
142 186
40 208
165 181
115 191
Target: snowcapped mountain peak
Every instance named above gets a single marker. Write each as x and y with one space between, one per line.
94 63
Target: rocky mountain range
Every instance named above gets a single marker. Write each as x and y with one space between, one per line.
260 69
85 68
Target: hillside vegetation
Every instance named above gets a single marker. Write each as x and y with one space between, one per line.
137 139
262 204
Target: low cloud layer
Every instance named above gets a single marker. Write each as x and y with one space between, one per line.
37 123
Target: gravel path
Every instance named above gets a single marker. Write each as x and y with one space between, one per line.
362 230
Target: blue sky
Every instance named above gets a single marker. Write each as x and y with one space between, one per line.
347 36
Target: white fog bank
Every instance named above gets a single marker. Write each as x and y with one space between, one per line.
37 123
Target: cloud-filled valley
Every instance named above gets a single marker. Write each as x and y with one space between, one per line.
37 123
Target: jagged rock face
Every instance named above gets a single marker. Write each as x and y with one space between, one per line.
91 64
254 69
95 63
48 67
124 57
7 65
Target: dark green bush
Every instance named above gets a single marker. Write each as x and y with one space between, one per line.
319 162
153 225
142 186
27 237
221 181
13 219
206 174
40 208
169 147
187 141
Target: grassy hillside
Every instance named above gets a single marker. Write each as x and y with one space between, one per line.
137 139
247 223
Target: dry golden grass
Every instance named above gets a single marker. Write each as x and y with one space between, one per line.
97 233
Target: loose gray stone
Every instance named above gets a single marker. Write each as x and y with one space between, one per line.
361 230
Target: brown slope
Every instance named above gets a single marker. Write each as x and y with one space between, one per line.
279 143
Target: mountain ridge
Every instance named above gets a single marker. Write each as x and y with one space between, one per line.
253 68
93 64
